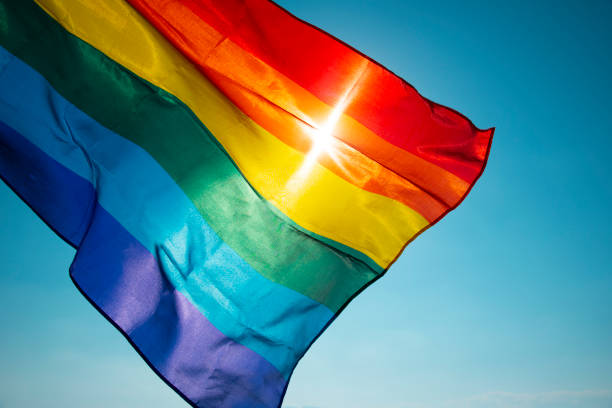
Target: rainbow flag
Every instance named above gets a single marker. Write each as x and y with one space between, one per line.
230 176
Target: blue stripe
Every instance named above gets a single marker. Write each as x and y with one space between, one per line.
67 207
125 282
269 318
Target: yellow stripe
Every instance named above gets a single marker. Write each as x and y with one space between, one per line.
313 197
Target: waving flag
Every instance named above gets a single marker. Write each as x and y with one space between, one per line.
229 175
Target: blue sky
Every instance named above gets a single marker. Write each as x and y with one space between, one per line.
506 303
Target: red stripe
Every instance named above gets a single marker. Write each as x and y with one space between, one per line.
325 66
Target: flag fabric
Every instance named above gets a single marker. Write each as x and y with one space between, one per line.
230 176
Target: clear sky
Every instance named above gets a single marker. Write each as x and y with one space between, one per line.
506 303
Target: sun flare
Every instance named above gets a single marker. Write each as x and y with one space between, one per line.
322 136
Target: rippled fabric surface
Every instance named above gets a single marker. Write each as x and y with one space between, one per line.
227 195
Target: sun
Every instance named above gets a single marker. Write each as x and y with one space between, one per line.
322 135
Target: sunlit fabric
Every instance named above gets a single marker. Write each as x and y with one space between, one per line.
230 176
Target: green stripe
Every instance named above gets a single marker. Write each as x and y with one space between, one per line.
170 132
334 244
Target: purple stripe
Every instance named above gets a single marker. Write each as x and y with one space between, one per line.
123 280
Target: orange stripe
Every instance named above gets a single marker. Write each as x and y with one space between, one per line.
340 158
385 104
238 74
285 109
